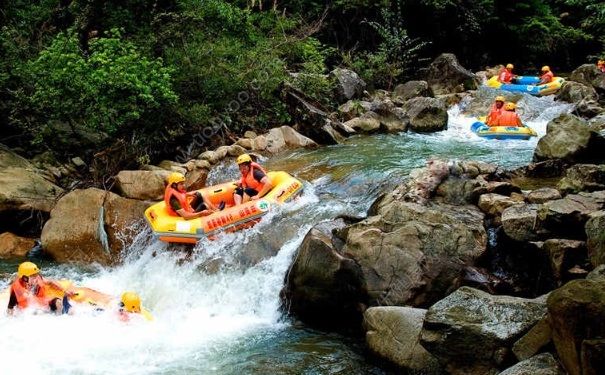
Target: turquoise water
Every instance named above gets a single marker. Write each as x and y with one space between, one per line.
218 311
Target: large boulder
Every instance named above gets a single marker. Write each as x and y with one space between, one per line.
542 195
576 313
563 255
588 74
569 138
143 185
472 332
12 245
595 238
411 89
575 92
495 204
367 123
323 286
349 85
426 114
567 216
541 364
446 76
393 333
91 225
519 222
583 177
533 342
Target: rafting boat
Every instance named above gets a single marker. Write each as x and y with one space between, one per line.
528 84
502 132
176 229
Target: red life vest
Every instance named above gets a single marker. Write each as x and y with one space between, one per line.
546 77
249 181
181 197
508 118
505 76
494 113
25 297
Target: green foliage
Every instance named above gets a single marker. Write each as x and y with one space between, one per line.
109 90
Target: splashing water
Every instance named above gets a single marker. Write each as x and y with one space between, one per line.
216 309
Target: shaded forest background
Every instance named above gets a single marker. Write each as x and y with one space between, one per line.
137 78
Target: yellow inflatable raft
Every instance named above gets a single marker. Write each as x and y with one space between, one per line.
170 228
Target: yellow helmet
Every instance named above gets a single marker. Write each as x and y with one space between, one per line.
175 177
243 158
500 98
510 66
546 68
601 62
27 269
510 106
131 302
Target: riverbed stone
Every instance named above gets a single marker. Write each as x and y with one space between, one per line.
533 341
411 89
583 177
588 74
575 92
12 245
541 364
426 115
393 333
73 233
495 204
349 84
142 185
542 195
447 76
520 222
576 313
564 254
570 138
367 123
595 238
471 332
568 216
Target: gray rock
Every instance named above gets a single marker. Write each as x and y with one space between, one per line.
564 254
426 115
393 333
541 364
533 341
583 177
543 195
471 331
567 216
575 92
411 89
595 238
446 76
350 85
495 204
588 74
520 222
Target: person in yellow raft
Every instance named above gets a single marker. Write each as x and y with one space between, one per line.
509 117
601 66
30 289
255 182
547 75
188 205
506 74
495 111
130 308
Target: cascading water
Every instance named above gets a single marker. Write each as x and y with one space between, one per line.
217 309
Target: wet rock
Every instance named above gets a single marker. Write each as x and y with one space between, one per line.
392 119
426 115
12 245
368 123
588 108
533 341
595 238
569 138
350 85
411 89
520 222
495 204
564 254
541 364
567 216
471 332
575 92
73 233
142 185
411 254
393 333
583 177
446 76
588 74
323 286
456 190
543 195
576 313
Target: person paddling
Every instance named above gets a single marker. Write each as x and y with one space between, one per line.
509 117
255 182
495 111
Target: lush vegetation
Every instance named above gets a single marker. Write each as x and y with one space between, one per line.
84 76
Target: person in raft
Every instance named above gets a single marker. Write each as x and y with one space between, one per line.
547 75
495 111
509 117
506 74
255 182
601 66
29 290
130 307
188 205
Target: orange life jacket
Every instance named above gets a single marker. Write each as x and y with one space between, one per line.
25 297
249 181
547 77
494 113
181 197
508 118
505 76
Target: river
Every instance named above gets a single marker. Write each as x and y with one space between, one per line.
217 311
